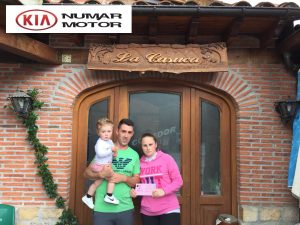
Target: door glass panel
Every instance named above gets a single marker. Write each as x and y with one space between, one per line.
210 149
97 111
157 113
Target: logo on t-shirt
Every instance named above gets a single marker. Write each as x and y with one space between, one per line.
121 163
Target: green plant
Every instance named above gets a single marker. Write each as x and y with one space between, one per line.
40 152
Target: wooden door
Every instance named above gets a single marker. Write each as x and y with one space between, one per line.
158 109
213 179
91 106
178 116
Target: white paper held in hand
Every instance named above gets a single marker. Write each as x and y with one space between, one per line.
144 189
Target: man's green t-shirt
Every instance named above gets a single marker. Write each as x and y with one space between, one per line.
127 162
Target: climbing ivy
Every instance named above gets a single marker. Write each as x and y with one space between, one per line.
40 152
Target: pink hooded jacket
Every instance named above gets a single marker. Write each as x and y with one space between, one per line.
164 172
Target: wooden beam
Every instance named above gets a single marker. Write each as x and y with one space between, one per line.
232 30
193 31
291 43
152 30
27 47
77 39
272 34
2 15
113 38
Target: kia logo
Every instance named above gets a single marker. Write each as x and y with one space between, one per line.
36 19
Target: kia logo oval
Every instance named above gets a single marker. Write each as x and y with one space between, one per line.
36 19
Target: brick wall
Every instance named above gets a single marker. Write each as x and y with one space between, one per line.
263 142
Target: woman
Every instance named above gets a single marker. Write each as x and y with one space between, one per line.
162 208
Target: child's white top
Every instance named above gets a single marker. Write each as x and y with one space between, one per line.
103 151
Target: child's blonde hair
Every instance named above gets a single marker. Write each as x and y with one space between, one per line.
103 121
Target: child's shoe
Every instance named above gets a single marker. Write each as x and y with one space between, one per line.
88 201
111 199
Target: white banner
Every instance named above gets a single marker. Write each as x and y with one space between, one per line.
68 19
296 183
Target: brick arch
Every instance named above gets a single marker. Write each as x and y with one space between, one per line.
237 88
83 79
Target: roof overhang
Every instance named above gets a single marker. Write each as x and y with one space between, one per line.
237 26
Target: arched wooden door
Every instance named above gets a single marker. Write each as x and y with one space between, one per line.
193 125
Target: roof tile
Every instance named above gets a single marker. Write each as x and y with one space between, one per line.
174 2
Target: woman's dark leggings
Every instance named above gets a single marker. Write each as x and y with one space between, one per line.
164 219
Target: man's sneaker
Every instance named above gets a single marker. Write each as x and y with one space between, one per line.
111 199
88 201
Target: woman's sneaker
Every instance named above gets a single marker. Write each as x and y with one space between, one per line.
111 199
88 201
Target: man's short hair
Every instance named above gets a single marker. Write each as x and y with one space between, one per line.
126 121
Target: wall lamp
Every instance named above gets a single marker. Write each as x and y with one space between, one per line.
21 103
287 109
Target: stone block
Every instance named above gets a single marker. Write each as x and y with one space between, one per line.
249 213
290 214
27 213
50 213
270 214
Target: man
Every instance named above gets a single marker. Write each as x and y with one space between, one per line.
126 169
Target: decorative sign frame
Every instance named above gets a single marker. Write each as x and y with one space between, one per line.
162 58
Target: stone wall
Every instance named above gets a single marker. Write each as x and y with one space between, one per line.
268 215
37 216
